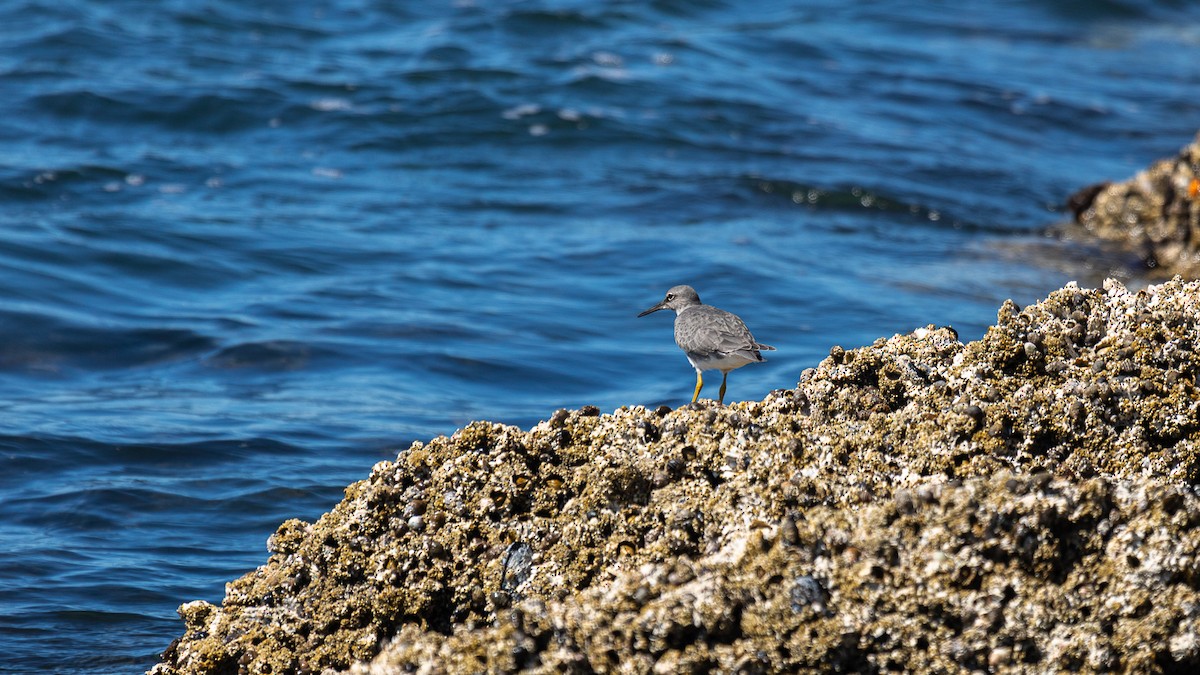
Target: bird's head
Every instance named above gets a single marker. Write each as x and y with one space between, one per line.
677 298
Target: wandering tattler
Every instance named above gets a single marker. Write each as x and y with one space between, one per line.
712 338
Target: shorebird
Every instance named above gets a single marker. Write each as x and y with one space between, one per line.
712 338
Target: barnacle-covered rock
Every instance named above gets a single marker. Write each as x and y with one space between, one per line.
1025 501
1155 214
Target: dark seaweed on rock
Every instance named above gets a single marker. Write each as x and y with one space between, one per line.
1027 501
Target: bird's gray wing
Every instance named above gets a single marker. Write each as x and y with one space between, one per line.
708 330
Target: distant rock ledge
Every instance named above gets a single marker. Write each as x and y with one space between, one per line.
1026 501
1154 215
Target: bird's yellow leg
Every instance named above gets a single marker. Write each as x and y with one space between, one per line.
699 384
721 398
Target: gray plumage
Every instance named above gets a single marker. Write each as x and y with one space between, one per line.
712 338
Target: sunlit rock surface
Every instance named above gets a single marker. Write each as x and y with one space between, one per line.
1026 501
1155 215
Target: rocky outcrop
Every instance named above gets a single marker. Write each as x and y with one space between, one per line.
1026 501
1155 214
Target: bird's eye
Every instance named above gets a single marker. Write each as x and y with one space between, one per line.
670 296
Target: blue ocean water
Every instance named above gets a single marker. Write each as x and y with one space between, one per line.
249 249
